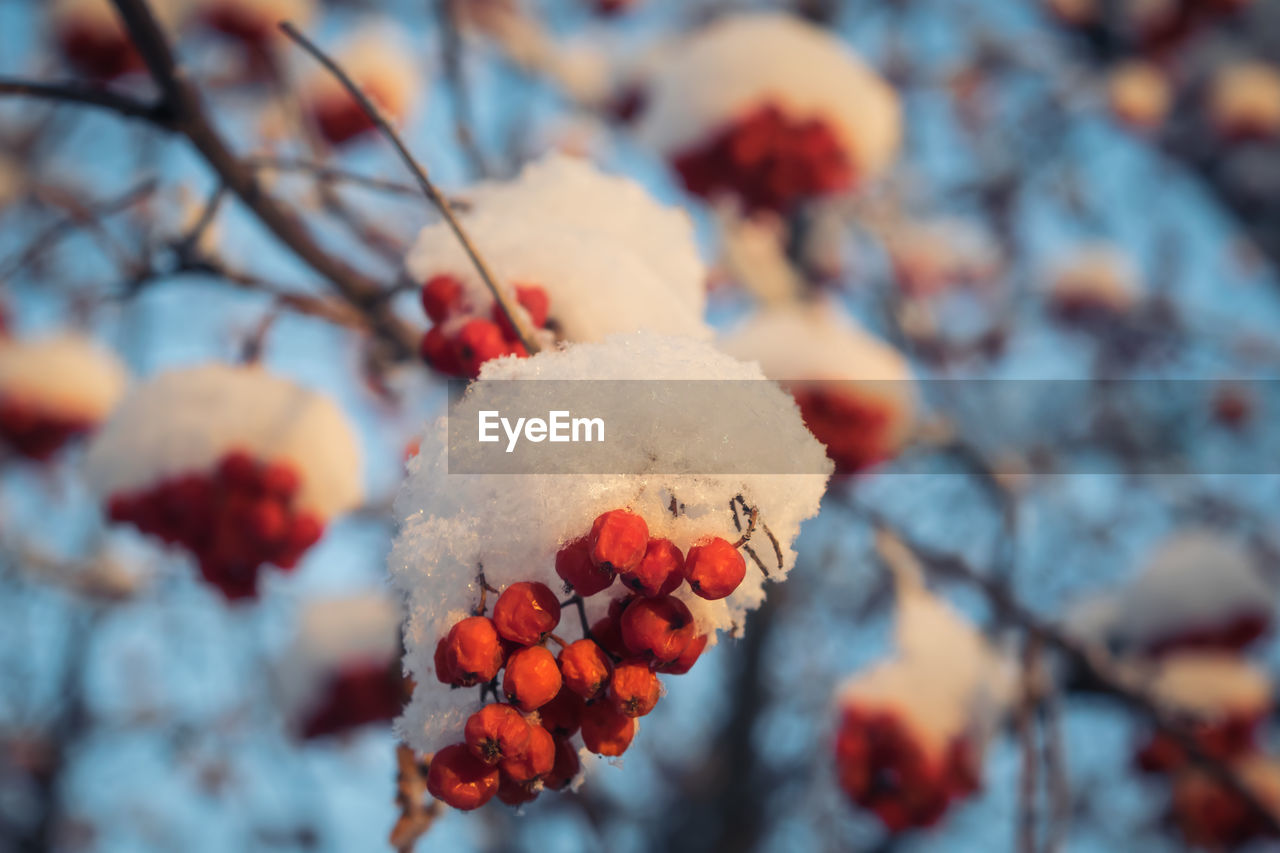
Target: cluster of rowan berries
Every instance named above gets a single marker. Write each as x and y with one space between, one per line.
883 768
357 694
100 52
233 519
768 160
460 339
851 427
33 433
597 686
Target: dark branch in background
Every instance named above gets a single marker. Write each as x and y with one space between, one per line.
92 96
428 188
183 112
455 76
325 172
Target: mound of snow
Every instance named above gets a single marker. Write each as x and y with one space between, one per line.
65 375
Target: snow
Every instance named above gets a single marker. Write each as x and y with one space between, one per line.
610 258
1139 94
351 629
931 255
378 59
64 374
1211 685
1097 273
450 524
187 419
1246 95
740 62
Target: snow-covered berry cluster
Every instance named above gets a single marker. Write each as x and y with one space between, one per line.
1093 283
598 685
768 110
235 465
582 254
855 392
377 61
54 389
911 730
652 562
253 23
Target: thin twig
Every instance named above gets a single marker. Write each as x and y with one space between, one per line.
92 96
505 303
455 79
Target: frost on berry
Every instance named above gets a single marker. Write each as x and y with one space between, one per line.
343 667
714 568
770 110
54 389
634 689
535 529
1195 590
532 678
497 732
238 466
855 393
657 628
581 254
526 612
585 667
605 730
460 779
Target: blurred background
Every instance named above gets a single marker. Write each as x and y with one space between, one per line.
1084 191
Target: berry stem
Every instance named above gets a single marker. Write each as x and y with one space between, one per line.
576 601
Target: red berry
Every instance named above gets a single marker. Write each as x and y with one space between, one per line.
477 342
618 540
574 566
687 658
534 300
441 295
526 612
660 627
279 480
562 716
515 793
437 351
238 471
714 568
659 572
608 635
532 679
472 651
565 768
536 760
585 668
634 689
496 732
605 731
460 779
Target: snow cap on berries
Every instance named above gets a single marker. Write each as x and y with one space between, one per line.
1210 685
65 376
742 62
1244 99
186 420
1095 275
380 62
514 526
610 258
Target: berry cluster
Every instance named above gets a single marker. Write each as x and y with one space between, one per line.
357 694
1225 739
883 768
339 118
36 434
768 160
233 519
460 339
97 51
241 22
596 686
852 427
1231 636
1211 816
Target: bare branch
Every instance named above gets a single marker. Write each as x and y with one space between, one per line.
91 96
459 92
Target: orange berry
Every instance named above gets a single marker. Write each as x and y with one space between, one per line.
659 572
661 627
526 612
565 768
687 658
496 732
605 731
532 679
473 651
608 636
562 715
634 689
714 568
461 780
618 540
574 566
585 668
515 793
536 760
444 670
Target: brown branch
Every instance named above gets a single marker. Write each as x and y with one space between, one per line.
416 814
324 172
182 103
92 96
505 303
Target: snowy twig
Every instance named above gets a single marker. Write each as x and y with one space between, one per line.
433 194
